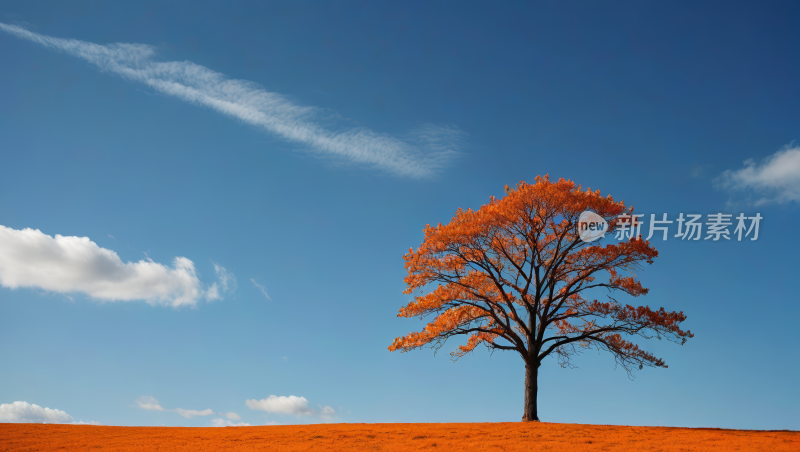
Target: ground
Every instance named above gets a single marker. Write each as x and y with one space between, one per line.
535 436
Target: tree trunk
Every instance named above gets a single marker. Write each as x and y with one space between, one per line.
531 389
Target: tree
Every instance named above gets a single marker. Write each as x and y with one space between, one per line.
513 276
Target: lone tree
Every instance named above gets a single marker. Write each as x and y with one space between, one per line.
515 275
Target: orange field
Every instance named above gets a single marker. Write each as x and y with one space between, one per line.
394 437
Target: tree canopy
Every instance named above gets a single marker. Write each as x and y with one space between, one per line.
515 275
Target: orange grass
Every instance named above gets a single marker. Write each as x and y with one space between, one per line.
394 437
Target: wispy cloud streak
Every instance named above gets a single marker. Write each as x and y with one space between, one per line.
421 156
262 288
227 283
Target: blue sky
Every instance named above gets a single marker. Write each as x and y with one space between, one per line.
302 147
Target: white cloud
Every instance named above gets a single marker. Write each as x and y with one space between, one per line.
775 180
227 283
213 293
151 404
427 149
232 416
188 414
86 423
295 406
30 258
219 422
326 413
262 288
148 403
31 413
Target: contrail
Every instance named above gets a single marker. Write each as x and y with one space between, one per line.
420 156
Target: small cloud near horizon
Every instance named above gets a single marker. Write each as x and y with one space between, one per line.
148 403
151 404
232 416
30 413
219 422
291 405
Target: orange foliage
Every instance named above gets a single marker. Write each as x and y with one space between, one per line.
392 437
513 274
